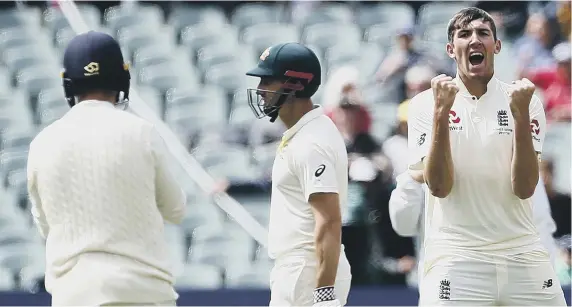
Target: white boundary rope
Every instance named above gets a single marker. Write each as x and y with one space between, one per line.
193 169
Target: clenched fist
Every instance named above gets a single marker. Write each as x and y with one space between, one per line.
444 92
520 95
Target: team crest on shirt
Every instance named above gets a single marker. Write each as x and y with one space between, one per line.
502 121
454 121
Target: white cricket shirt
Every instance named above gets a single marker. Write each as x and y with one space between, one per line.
101 190
311 159
481 213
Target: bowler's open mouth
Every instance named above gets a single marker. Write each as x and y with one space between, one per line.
476 58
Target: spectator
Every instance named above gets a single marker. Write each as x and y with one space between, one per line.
533 49
343 103
555 82
560 204
417 79
402 57
509 16
563 16
391 255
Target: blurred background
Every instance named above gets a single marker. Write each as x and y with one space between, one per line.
188 61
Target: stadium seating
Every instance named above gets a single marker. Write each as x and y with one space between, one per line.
189 68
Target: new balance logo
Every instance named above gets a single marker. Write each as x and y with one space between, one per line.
547 284
445 290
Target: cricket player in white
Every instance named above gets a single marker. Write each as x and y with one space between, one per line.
101 190
406 211
309 182
478 141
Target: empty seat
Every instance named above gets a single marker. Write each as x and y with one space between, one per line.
15 37
151 55
21 17
31 276
62 37
184 15
7 282
175 237
118 17
136 37
55 20
326 35
241 114
218 53
50 115
264 35
327 13
14 139
53 97
152 98
12 160
216 253
17 180
391 14
248 14
255 276
34 79
202 214
202 35
15 257
439 12
230 76
204 107
165 76
24 56
199 276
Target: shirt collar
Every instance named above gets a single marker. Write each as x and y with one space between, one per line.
308 117
491 86
94 103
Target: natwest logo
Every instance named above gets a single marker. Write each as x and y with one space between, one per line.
535 126
453 118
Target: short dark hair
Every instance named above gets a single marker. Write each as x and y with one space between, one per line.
466 16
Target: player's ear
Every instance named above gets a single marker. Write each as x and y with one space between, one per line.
498 46
450 50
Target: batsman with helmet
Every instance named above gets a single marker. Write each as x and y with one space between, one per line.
101 190
309 182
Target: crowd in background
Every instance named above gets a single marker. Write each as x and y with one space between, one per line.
540 34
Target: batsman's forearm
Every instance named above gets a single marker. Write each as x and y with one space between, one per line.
524 161
438 171
328 244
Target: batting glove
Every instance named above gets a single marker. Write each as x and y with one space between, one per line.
326 297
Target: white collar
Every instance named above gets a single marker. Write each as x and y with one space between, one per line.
306 118
491 86
94 103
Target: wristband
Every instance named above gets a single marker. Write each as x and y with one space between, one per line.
323 294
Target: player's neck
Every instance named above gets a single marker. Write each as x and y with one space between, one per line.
300 109
97 96
475 86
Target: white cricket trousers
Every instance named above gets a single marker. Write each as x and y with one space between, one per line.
526 279
293 280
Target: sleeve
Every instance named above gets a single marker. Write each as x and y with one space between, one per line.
38 215
537 123
419 127
316 170
405 205
171 199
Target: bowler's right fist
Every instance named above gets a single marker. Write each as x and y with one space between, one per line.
444 92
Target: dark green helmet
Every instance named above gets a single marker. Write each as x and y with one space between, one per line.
294 64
